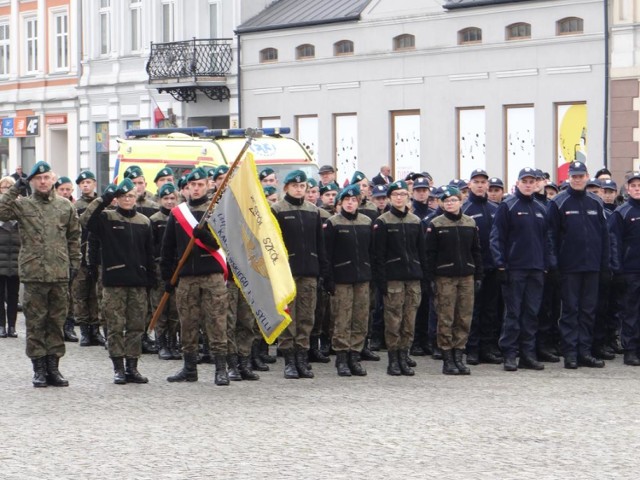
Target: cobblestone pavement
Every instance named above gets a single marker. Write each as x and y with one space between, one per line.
491 425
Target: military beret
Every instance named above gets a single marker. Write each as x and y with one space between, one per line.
379 191
358 177
312 182
39 168
421 182
61 181
609 184
133 171
329 187
86 175
166 189
221 170
269 190
577 168
197 174
265 173
297 176
479 172
397 185
327 169
351 191
182 182
210 171
496 182
165 172
449 191
124 187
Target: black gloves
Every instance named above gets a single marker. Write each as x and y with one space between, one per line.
22 185
109 194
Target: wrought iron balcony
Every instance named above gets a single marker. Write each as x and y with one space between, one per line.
184 68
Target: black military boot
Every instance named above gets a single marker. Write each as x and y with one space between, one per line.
174 347
394 365
244 363
403 361
341 364
616 345
488 355
631 358
232 368
417 350
510 364
39 372
85 336
375 344
458 360
368 354
119 377
529 362
590 361
570 361
325 345
3 331
69 332
263 351
355 366
54 377
164 353
302 357
315 355
603 352
437 351
290 370
546 354
11 332
148 345
131 372
189 372
473 357
256 359
221 377
448 364
96 336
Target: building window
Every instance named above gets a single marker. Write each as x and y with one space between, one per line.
570 25
404 42
305 51
518 31
214 20
343 47
268 55
31 37
61 42
168 11
105 26
135 8
469 35
4 49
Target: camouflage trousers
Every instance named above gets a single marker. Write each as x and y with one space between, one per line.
202 299
124 311
302 310
400 307
45 310
242 329
454 309
350 311
85 300
99 296
168 321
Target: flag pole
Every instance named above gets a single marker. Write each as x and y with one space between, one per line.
250 133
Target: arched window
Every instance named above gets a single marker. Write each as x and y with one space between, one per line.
569 26
305 51
518 31
404 42
268 55
469 35
343 47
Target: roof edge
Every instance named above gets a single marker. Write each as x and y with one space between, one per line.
458 4
310 23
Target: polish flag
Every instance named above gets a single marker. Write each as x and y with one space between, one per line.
158 116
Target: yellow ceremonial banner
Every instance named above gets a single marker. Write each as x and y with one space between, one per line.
248 232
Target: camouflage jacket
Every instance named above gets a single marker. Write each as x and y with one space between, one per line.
49 235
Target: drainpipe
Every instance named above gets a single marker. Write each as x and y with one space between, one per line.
605 136
239 83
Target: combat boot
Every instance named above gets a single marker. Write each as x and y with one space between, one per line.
394 366
205 356
375 344
368 354
119 377
448 365
529 362
302 357
189 372
458 360
602 351
148 345
417 350
631 358
510 364
3 332
85 336
39 372
174 347
69 332
54 377
473 357
263 351
341 364
325 345
290 370
11 332
221 377
437 351
403 361
546 354
256 359
131 372
355 366
488 355
164 353
96 336
571 361
315 355
244 363
590 361
232 364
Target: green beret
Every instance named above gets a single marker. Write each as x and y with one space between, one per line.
133 171
350 191
221 170
449 191
210 171
312 182
124 187
358 177
266 172
397 185
182 182
197 174
39 168
61 181
297 176
166 189
86 175
269 190
165 172
329 187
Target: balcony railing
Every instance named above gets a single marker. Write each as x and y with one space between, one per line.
191 60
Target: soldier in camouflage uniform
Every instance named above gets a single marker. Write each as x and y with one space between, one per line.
348 243
127 270
49 257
